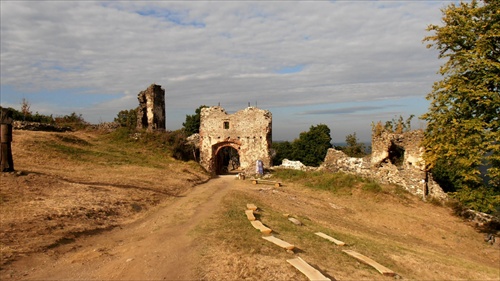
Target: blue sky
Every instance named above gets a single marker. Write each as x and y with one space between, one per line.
345 64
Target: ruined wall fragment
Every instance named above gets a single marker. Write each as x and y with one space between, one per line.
395 159
151 110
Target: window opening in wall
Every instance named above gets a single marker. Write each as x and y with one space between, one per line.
396 155
226 125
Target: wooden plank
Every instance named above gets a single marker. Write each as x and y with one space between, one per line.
279 242
338 242
310 272
380 268
258 225
251 207
295 221
276 184
250 215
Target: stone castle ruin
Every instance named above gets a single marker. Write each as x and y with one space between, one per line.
234 142
395 158
151 112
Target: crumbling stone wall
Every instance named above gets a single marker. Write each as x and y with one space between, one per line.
151 111
37 126
395 158
248 131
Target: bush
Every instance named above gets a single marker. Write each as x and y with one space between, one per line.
75 121
480 199
179 147
127 118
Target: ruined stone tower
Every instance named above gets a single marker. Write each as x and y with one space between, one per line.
151 111
246 135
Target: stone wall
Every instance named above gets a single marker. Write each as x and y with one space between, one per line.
36 126
248 131
395 159
151 111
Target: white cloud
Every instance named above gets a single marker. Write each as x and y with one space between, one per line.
227 52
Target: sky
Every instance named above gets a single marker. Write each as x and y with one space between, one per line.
345 64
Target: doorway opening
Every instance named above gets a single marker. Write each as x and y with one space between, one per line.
227 161
396 155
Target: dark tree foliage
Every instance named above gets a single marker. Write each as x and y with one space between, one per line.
192 124
127 118
282 150
354 148
311 146
37 117
179 147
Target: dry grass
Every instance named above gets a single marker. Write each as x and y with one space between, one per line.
417 240
76 183
72 184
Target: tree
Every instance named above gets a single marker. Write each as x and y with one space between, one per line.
353 147
463 122
25 108
192 124
311 147
282 150
127 118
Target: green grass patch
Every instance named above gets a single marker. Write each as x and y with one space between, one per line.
70 139
116 148
372 186
333 182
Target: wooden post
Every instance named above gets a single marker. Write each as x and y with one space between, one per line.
6 161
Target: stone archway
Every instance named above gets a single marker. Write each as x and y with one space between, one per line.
226 158
247 131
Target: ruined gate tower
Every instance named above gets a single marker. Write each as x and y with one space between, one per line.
151 111
247 133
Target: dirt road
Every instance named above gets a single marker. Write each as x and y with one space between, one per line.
161 245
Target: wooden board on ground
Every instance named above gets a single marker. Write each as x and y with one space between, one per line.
309 271
258 225
295 221
251 207
338 242
279 242
380 268
276 184
250 215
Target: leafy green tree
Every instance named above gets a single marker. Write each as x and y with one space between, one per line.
311 147
192 124
127 118
282 150
353 147
463 118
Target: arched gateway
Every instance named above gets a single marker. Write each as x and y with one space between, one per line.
234 142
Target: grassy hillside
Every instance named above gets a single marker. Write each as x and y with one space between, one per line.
77 183
417 240
83 183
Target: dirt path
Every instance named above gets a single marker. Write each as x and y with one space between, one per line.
161 245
